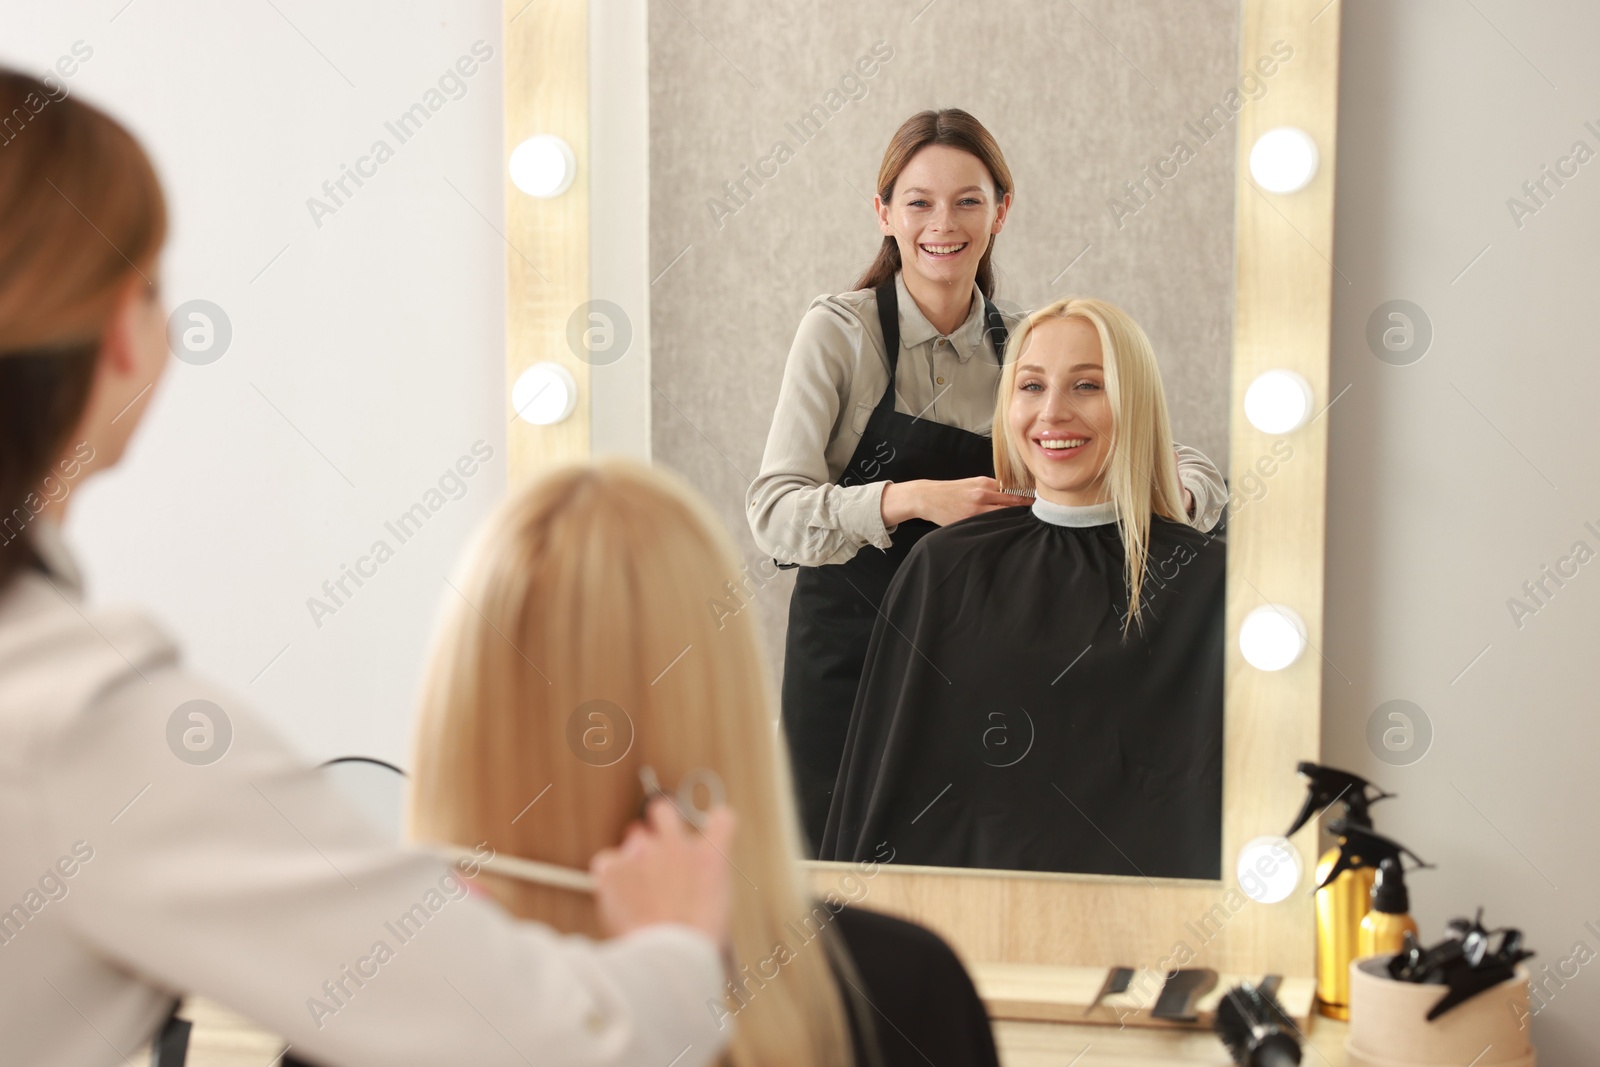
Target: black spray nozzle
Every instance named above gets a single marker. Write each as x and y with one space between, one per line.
1327 786
1361 846
1389 894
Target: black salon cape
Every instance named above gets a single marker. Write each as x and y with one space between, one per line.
1003 721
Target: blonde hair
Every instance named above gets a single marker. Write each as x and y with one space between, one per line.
597 630
1141 476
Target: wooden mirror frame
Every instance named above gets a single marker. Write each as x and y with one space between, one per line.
1283 298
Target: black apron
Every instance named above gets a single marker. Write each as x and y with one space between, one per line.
833 607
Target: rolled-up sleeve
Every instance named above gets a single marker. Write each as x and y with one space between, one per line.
253 881
796 512
1200 476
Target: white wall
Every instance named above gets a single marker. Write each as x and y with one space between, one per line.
1455 478
365 359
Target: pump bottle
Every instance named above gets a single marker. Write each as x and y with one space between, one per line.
1384 928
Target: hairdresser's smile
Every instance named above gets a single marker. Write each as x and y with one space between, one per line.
942 214
944 251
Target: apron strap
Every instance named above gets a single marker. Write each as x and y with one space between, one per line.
889 321
996 330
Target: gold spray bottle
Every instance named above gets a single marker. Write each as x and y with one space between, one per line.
1344 889
1384 929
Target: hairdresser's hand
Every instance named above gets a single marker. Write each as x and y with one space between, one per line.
944 502
667 872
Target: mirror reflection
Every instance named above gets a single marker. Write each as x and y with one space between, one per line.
978 478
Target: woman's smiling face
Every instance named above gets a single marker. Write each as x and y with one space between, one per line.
942 213
1059 414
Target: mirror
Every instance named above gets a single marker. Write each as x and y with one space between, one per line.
664 107
1057 750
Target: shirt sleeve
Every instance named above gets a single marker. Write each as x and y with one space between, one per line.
1201 477
253 881
797 514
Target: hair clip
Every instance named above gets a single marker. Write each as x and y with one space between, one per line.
1406 965
1468 961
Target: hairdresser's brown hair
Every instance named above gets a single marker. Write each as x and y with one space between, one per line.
947 126
81 213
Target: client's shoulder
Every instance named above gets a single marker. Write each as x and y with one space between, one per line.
1168 532
989 526
1178 548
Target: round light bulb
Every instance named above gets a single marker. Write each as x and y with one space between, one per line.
544 394
1269 868
1284 160
1278 402
543 166
1272 637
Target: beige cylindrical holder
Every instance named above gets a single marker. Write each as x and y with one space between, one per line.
1389 1024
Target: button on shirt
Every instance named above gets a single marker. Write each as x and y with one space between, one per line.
835 374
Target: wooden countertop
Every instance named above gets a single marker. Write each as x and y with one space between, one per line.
1075 1045
223 1039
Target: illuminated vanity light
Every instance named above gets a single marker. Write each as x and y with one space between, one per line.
1284 160
1269 869
543 166
544 394
1272 637
1278 402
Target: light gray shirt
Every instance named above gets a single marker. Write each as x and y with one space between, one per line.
835 374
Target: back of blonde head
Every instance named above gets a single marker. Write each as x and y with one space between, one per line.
591 637
1141 475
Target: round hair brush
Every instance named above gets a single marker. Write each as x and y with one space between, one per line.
1253 1026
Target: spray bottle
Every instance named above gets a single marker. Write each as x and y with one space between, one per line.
1384 929
1344 889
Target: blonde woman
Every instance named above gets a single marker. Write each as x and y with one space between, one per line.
593 638
1044 689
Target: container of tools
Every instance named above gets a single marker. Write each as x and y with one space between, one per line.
1389 1024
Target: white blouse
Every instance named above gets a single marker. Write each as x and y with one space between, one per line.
130 876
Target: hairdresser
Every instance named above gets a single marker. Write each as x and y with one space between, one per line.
135 871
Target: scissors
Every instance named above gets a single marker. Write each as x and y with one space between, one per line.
562 877
684 801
